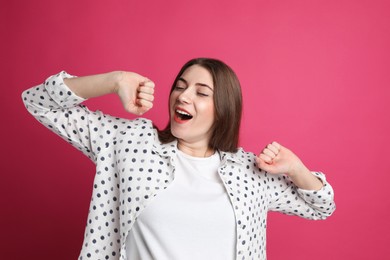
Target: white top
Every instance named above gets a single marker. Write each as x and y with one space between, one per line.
192 219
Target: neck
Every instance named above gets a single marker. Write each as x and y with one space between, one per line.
196 150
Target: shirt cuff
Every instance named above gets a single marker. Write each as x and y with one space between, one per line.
60 92
317 196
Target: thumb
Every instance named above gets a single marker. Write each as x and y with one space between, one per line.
262 164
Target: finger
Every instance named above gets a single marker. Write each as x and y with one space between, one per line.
266 158
145 96
148 83
269 153
277 145
273 148
263 164
140 110
146 89
143 103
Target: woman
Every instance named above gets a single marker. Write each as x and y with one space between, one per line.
186 192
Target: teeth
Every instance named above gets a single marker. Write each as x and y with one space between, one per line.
182 112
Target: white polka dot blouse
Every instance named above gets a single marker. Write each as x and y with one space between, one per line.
133 166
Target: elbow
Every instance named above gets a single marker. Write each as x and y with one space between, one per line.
24 96
26 99
325 212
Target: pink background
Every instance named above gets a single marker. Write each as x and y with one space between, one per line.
315 77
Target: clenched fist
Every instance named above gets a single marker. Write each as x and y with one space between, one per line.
135 92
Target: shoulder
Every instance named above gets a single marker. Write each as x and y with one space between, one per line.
242 166
122 124
242 159
105 125
240 156
140 123
142 126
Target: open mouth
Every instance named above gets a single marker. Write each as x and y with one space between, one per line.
182 115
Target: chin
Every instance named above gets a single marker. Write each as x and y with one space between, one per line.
176 133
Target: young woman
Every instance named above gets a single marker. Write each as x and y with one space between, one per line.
185 192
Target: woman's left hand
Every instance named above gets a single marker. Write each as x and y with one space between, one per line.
277 159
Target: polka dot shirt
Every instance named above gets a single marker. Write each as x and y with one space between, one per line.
132 167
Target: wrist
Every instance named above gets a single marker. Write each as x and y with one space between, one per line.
298 169
116 78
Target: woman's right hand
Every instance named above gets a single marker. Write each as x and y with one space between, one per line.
135 92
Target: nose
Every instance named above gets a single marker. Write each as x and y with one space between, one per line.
184 97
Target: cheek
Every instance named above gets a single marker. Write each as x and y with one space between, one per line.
208 111
172 99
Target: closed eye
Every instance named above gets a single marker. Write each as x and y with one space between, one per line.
203 94
179 88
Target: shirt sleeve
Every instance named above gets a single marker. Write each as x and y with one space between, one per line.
287 198
58 108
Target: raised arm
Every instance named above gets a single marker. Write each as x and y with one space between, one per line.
135 91
298 190
57 104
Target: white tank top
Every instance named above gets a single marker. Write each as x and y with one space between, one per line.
192 219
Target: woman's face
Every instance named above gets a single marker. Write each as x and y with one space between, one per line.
192 106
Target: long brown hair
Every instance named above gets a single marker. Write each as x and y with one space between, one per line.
227 102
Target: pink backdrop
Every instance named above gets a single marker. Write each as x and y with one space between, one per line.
315 77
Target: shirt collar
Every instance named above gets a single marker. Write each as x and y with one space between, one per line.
236 157
170 150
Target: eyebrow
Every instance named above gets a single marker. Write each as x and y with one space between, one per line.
197 84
